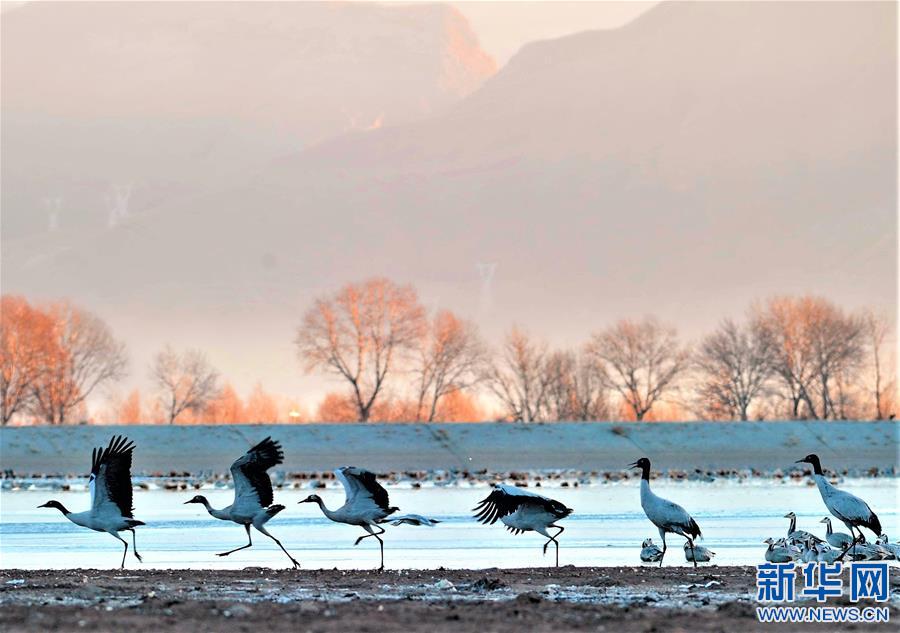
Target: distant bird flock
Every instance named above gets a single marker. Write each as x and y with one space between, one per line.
367 506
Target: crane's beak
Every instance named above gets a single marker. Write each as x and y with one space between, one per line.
787 516
800 461
44 505
304 501
187 502
633 465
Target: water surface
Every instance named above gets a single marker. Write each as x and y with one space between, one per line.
606 529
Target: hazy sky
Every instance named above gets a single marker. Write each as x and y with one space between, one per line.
707 155
503 27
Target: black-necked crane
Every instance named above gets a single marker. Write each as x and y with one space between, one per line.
522 511
111 495
668 517
253 497
366 505
850 509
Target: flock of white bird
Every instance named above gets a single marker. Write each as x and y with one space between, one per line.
367 506
802 546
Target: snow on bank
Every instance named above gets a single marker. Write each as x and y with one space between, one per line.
590 447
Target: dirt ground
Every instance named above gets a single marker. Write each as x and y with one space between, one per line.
254 599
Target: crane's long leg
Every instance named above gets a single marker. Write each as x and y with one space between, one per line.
236 549
134 549
263 530
368 528
553 539
852 546
663 554
125 543
693 554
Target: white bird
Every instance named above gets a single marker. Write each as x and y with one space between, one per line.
252 493
824 553
850 509
665 515
809 553
870 551
893 548
840 540
780 551
111 495
413 519
522 511
650 552
697 554
798 537
366 505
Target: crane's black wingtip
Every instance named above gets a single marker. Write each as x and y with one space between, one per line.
118 445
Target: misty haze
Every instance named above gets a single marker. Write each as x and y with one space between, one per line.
198 176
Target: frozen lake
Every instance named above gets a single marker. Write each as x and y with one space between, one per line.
606 529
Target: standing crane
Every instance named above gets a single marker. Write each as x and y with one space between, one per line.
850 509
665 515
111 495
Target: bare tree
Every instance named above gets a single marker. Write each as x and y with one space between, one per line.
576 387
186 381
641 361
519 377
794 364
81 355
24 331
360 333
735 362
818 348
877 328
450 358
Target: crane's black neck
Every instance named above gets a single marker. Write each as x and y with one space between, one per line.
816 465
645 472
828 531
58 506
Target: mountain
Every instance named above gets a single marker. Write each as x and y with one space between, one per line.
156 103
698 158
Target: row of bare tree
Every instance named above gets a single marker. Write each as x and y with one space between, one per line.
224 406
52 358
791 357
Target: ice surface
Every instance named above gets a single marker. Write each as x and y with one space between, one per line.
606 529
